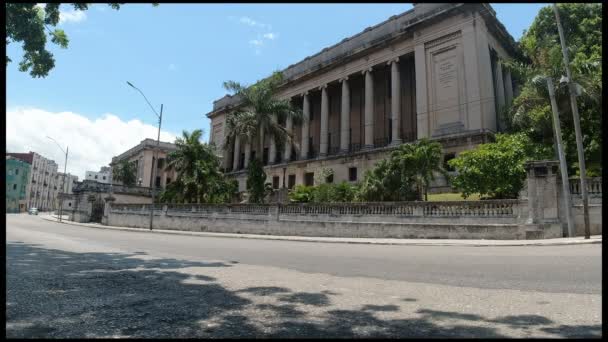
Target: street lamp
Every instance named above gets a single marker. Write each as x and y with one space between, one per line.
155 159
64 171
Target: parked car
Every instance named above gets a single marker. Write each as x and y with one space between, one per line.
33 211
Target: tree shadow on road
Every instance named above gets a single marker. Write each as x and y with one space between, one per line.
59 294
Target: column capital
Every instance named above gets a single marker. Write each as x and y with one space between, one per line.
370 69
305 93
393 60
343 79
323 87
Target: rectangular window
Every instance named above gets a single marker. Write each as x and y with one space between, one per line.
157 181
16 171
95 176
329 179
168 180
104 177
446 159
275 182
352 174
265 157
14 186
309 178
291 181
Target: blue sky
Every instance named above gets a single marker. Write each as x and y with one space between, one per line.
179 55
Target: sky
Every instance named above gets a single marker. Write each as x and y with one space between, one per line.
179 55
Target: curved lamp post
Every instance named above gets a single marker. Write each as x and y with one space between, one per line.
155 159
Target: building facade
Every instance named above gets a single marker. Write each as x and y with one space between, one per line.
102 176
142 156
431 72
42 188
17 177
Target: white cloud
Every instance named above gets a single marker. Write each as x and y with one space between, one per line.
172 67
271 36
71 16
251 22
92 143
256 42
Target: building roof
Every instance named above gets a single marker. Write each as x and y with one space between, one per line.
146 144
26 157
372 37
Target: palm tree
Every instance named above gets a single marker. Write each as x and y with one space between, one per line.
199 176
259 113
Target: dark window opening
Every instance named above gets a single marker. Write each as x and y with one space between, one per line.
157 183
291 182
168 180
241 161
104 177
309 178
252 157
69 204
352 174
275 182
329 179
16 171
446 159
14 186
265 157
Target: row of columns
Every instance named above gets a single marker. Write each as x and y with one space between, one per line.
344 119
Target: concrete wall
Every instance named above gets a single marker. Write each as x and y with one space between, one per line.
462 220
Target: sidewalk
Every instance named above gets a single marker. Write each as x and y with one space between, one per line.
406 242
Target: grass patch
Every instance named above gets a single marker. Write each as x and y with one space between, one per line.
452 196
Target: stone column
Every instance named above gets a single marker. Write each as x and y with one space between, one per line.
508 87
272 149
289 129
247 154
369 109
237 154
305 127
324 121
345 116
395 101
500 95
260 147
422 114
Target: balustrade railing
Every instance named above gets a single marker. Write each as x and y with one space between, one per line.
488 208
594 186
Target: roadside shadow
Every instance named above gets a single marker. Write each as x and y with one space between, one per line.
58 294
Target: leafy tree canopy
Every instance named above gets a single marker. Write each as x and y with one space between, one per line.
30 24
540 44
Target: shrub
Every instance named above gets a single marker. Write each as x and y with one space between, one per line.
496 170
301 194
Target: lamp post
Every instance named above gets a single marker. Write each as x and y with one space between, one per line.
155 158
64 172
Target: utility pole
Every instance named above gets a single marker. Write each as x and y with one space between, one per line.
64 172
562 158
154 163
577 125
155 156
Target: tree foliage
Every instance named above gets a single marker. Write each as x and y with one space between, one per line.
29 24
256 182
407 173
125 172
260 111
540 44
496 170
324 193
199 176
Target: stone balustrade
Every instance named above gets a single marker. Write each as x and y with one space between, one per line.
488 209
594 186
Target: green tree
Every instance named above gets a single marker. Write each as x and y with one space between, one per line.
256 182
199 176
259 114
496 170
542 57
407 172
125 172
28 23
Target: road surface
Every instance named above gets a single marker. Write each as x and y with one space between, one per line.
66 281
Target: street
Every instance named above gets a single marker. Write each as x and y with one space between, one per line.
66 281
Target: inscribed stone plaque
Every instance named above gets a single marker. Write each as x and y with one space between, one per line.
445 70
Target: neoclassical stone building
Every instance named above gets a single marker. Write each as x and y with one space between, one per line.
430 72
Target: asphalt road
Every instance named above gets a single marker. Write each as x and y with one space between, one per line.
73 281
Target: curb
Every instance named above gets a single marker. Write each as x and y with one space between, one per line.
464 243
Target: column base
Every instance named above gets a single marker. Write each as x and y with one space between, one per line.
396 142
368 147
322 155
344 151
